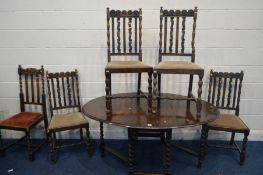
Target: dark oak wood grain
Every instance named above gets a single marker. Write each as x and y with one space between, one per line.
131 112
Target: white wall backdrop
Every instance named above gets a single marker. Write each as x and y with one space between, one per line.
68 34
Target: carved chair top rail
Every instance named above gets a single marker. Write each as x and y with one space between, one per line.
124 13
178 13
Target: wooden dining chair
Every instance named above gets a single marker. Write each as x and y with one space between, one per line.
65 108
173 36
33 109
124 40
224 92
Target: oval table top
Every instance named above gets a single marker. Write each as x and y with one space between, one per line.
130 112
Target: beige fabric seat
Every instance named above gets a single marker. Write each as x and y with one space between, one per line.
64 98
172 45
127 65
228 121
67 120
178 67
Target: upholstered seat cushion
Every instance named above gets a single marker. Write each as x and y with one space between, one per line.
127 66
228 121
178 67
22 120
67 120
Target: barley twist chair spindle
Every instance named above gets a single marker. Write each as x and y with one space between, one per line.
124 40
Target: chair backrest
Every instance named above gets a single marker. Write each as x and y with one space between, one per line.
173 33
225 89
63 90
124 33
32 88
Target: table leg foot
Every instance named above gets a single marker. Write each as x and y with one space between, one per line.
167 152
102 142
131 150
203 141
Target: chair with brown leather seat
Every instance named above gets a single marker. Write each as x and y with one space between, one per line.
124 40
65 108
32 99
224 92
174 37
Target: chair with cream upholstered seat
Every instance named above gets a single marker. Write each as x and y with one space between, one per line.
172 44
124 40
224 92
64 99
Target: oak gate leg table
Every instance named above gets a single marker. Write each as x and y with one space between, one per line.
133 114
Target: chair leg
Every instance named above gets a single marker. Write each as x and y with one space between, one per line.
159 84
52 146
139 84
108 91
206 141
162 137
81 134
244 147
102 142
232 138
88 142
2 151
190 87
29 147
46 128
159 81
150 91
110 85
154 95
